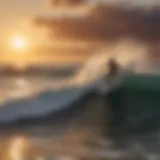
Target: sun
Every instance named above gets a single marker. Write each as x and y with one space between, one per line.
19 43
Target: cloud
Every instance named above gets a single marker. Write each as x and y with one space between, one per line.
107 23
66 2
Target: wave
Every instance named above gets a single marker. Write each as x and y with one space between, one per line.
50 104
47 102
88 80
40 105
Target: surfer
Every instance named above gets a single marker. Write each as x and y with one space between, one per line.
113 69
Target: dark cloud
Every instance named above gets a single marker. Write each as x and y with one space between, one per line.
108 23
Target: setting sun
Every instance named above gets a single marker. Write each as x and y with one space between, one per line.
19 43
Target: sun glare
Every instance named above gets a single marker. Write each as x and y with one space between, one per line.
18 148
19 43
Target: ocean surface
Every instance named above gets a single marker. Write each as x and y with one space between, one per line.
24 97
32 128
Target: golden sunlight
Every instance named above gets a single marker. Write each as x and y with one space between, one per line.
18 147
20 43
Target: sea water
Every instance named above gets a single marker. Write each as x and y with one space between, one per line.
33 97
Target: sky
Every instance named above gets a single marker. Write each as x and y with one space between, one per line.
13 13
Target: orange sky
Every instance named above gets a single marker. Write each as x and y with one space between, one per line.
14 13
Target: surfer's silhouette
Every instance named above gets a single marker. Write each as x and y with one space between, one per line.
113 68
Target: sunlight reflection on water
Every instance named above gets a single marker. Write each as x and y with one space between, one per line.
23 148
18 148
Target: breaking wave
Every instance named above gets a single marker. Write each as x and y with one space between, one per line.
89 79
